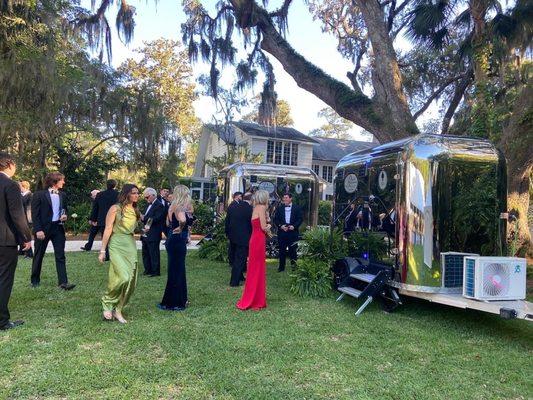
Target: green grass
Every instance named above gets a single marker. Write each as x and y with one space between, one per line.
295 349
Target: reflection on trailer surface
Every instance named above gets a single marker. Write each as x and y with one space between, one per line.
437 199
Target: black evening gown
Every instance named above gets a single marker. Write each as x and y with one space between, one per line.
175 297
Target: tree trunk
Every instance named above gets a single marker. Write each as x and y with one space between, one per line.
388 119
516 144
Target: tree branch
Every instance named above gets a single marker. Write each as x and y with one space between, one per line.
280 12
460 89
92 149
436 94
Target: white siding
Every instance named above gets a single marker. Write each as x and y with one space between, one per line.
328 189
305 155
259 146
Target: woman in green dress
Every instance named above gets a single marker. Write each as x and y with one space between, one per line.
120 224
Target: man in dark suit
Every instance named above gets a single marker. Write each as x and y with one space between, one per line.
14 230
163 198
154 222
237 198
101 205
49 213
239 229
288 219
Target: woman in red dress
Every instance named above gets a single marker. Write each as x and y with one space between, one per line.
254 294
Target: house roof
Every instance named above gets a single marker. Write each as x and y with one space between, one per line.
273 132
329 149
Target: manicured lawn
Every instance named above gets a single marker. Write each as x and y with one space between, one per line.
295 349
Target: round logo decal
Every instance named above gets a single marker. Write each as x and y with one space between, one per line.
382 180
298 188
268 186
350 183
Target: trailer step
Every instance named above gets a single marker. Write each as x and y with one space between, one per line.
363 277
349 291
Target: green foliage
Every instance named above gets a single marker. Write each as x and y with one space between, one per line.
311 278
371 244
317 243
324 212
215 249
336 126
204 214
78 224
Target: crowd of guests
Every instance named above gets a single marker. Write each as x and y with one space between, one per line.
115 216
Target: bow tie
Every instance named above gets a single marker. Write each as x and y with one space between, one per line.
288 207
54 191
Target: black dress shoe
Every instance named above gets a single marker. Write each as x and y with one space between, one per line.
152 275
34 284
84 249
11 325
67 286
281 269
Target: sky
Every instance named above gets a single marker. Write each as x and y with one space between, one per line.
163 18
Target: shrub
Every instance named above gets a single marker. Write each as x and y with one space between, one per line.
215 248
317 243
311 278
367 245
204 222
82 211
324 212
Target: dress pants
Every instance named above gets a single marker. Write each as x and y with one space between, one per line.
8 263
57 236
287 245
151 257
239 265
231 252
92 235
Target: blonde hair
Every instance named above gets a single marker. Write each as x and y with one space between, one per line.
25 185
181 197
260 197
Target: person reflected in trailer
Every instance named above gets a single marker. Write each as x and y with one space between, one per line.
288 219
350 222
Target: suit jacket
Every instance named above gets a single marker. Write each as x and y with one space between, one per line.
101 205
295 220
41 210
14 229
165 203
239 223
158 215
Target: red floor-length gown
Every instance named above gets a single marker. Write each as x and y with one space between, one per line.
254 294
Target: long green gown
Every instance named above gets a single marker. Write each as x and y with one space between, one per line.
123 255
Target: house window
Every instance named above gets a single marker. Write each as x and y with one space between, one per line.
294 153
282 153
270 152
316 169
327 173
277 158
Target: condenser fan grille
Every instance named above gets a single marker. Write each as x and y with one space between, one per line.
495 279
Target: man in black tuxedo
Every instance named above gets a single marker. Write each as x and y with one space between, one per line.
101 205
163 198
288 219
239 229
237 198
49 213
154 222
14 230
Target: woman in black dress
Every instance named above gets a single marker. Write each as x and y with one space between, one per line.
180 217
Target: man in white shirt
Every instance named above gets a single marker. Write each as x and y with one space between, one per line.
49 213
288 219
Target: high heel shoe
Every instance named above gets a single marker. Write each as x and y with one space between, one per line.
119 317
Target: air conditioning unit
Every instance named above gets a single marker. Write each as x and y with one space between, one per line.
452 269
494 278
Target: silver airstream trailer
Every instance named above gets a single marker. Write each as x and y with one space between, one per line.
302 183
435 200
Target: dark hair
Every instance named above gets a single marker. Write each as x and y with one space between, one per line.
111 183
6 160
247 196
287 194
52 178
123 197
237 194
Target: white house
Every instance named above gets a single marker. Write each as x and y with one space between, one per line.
278 145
